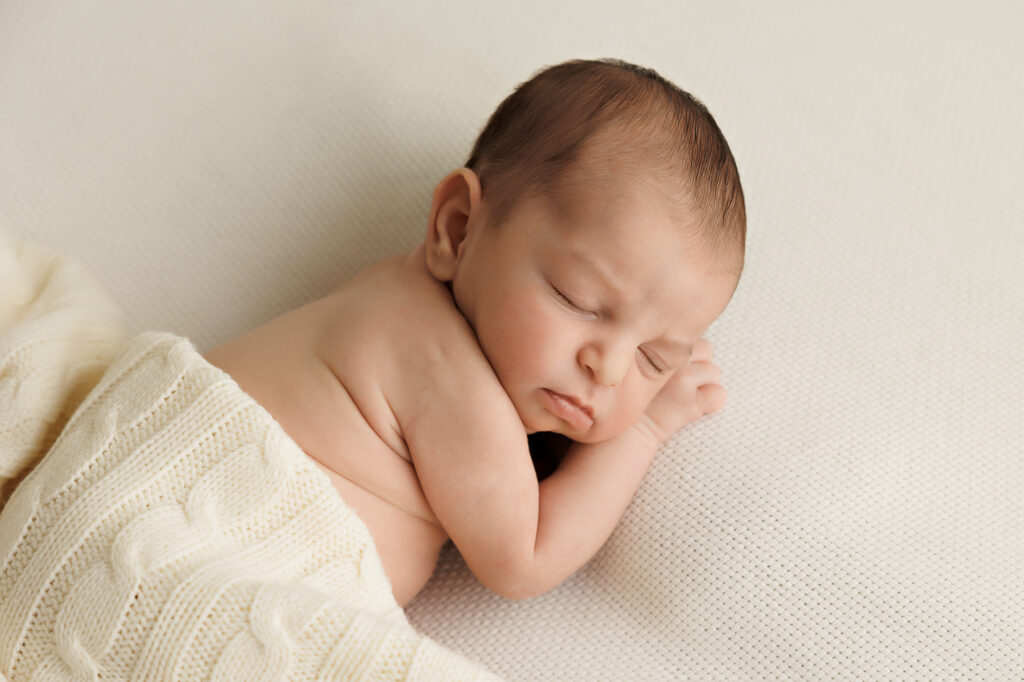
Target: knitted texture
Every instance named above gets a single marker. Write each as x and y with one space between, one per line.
58 331
174 531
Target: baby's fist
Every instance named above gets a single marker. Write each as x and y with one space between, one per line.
691 393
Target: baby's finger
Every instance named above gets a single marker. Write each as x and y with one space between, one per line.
703 351
702 373
711 398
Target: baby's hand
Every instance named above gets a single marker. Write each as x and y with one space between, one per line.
690 394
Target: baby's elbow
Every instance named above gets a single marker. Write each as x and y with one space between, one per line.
515 591
519 585
517 575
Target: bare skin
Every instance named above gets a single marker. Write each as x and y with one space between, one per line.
415 384
323 371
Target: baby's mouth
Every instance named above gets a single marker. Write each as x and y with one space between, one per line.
568 409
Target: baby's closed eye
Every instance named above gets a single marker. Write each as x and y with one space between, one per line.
569 303
653 361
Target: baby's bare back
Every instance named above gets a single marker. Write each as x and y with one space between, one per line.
329 371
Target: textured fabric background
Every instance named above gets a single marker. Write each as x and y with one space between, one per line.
855 512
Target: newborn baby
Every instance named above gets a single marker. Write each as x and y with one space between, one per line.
568 275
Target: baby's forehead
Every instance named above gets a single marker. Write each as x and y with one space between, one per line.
590 208
619 179
626 249
620 189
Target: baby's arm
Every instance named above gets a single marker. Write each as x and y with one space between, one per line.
471 455
583 500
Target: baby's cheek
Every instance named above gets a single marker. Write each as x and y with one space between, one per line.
633 405
618 421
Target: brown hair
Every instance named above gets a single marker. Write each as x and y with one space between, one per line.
538 133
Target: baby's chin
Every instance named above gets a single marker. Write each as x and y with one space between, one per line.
591 435
595 434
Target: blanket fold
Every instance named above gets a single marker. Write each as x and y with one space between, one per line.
59 330
174 531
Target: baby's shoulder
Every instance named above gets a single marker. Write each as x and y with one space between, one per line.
429 327
410 360
408 307
432 354
397 322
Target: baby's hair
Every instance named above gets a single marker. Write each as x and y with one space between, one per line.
538 133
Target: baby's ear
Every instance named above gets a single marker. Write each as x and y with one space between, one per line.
456 202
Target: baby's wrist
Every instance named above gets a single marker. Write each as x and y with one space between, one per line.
649 433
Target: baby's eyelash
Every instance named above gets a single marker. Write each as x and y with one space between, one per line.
565 300
653 364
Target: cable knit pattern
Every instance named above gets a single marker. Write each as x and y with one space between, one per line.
174 531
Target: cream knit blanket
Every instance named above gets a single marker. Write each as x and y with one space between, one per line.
59 330
174 531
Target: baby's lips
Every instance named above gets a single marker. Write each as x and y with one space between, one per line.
568 410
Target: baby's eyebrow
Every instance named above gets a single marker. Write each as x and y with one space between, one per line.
600 273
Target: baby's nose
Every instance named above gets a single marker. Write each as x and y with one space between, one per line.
605 364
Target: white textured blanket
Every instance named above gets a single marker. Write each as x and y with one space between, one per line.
174 531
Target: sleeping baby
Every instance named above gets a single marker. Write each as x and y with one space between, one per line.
568 275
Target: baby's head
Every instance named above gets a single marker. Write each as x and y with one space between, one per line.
575 121
594 234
